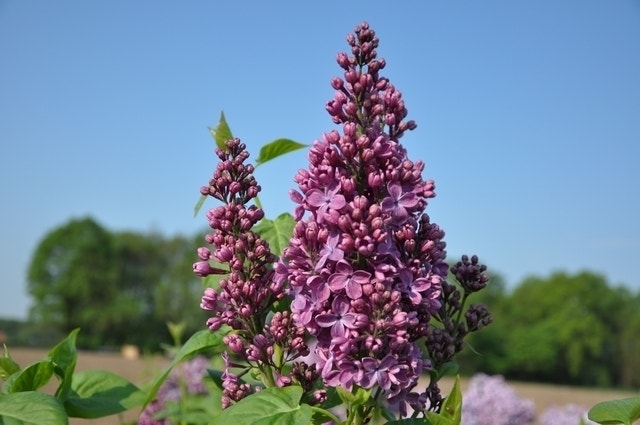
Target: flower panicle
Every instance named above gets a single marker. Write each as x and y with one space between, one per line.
365 268
365 264
247 291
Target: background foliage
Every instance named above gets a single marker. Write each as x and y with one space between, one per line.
119 287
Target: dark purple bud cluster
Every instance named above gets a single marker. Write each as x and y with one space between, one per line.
477 317
470 274
445 341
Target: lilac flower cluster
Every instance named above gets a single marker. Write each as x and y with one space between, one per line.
570 414
365 263
490 401
188 377
364 271
243 297
246 296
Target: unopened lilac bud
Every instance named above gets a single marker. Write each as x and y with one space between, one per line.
234 342
350 129
351 109
223 254
204 253
253 191
320 396
337 83
351 39
214 323
349 185
282 381
204 269
209 299
343 60
234 187
296 196
344 223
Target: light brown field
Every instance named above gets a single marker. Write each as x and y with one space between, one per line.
141 371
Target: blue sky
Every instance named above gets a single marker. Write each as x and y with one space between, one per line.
528 118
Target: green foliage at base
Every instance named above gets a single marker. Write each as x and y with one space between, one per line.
87 394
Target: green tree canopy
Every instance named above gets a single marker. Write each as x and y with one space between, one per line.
565 328
118 287
72 280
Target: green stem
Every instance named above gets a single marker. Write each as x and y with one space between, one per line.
267 375
326 413
462 303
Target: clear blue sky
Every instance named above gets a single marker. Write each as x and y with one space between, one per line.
528 118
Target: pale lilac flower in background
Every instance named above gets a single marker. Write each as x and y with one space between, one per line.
490 401
569 414
190 374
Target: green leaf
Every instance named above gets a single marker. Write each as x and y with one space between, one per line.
433 418
221 133
622 411
31 408
271 406
277 148
32 377
345 395
448 368
200 341
452 405
276 232
199 204
98 393
64 357
7 366
356 397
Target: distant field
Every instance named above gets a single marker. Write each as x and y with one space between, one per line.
142 370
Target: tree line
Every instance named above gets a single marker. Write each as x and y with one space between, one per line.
124 287
573 329
118 287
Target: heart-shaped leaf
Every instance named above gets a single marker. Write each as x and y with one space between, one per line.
276 232
98 393
32 408
271 406
622 411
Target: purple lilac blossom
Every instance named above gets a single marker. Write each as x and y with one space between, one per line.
490 401
362 232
